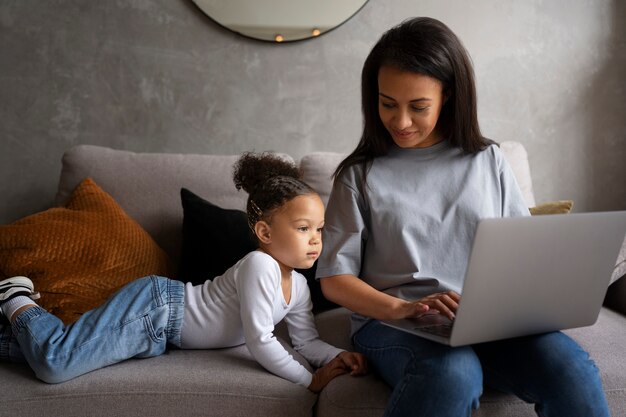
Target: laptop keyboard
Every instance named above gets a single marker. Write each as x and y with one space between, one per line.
443 330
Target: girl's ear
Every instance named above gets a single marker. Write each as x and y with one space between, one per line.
262 230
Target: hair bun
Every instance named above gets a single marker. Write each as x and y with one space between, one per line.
252 170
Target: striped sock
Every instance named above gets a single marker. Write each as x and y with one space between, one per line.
9 307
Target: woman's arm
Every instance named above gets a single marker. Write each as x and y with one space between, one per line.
359 297
345 237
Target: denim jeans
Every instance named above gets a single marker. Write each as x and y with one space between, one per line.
138 321
430 379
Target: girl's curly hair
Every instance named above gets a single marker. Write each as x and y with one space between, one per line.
270 182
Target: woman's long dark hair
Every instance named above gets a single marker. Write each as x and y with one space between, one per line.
425 46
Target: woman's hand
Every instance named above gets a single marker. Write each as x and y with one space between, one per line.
343 363
445 303
356 295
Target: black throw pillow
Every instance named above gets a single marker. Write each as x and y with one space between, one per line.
214 239
320 303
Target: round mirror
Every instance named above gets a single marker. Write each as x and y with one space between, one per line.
280 20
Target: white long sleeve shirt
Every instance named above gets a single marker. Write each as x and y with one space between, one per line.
243 305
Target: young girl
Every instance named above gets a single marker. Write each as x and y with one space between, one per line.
403 209
240 306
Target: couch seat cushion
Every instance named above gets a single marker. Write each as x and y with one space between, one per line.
220 383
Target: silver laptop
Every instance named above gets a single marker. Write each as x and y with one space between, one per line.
529 275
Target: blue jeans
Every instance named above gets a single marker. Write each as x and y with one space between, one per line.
138 321
430 379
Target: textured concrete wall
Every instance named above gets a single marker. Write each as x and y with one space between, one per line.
159 76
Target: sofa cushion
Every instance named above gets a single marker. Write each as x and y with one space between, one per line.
515 154
368 395
147 185
79 254
221 382
317 170
214 239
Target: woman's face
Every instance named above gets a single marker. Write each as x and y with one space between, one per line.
409 105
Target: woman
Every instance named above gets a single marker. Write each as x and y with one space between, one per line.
399 226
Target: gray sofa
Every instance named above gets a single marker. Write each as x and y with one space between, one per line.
228 382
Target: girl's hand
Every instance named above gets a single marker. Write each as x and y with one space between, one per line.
326 373
354 362
445 303
345 362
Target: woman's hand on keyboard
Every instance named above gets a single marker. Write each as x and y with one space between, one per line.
445 303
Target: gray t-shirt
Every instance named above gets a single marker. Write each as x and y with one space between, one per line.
408 231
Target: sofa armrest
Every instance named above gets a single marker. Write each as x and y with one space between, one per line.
616 296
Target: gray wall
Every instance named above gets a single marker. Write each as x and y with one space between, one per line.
159 76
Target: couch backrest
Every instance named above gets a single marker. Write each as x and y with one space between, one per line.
147 185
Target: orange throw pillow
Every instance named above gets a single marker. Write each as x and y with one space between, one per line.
78 255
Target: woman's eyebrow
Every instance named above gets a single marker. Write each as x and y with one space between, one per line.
412 101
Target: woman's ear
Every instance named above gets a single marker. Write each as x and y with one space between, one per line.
262 230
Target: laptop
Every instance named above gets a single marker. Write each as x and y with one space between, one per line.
530 275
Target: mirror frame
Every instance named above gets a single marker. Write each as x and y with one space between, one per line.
276 37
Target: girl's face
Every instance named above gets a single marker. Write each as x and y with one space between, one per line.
409 105
295 232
